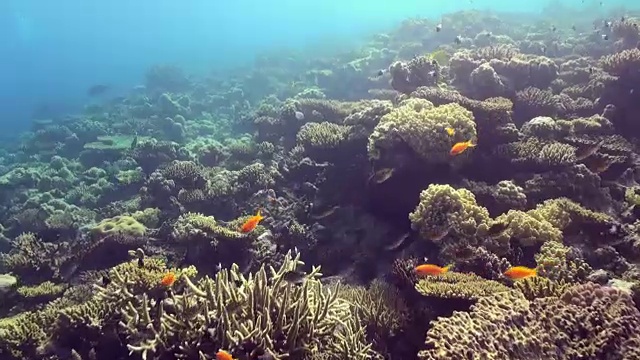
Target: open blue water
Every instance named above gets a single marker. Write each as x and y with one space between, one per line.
52 51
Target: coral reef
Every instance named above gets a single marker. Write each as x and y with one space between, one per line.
128 229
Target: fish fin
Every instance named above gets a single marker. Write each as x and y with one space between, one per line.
471 144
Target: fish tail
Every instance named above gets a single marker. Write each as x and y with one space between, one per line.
258 214
470 143
446 268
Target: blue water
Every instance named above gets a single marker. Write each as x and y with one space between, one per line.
52 51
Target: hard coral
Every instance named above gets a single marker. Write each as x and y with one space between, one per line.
450 218
239 314
422 126
121 225
586 322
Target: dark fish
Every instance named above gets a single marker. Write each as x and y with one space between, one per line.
588 150
438 27
497 228
458 40
573 27
325 213
605 37
97 90
399 241
140 262
294 277
380 73
590 70
382 175
553 28
134 142
105 280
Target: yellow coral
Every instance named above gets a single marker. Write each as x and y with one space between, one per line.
119 225
450 217
527 229
454 285
422 126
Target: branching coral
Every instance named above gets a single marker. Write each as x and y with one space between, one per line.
241 313
380 308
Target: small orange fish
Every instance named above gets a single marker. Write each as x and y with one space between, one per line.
168 279
450 131
251 224
460 147
520 272
223 355
430 269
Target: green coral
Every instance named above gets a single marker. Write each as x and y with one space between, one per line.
423 127
452 218
527 229
119 225
149 217
42 292
128 177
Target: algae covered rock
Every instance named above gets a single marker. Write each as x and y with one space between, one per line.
7 282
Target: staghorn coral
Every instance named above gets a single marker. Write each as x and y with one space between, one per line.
422 127
239 313
451 219
380 308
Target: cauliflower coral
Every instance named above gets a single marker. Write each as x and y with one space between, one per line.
423 127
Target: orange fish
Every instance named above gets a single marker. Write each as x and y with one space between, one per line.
520 272
430 269
168 279
460 147
223 355
251 224
450 131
